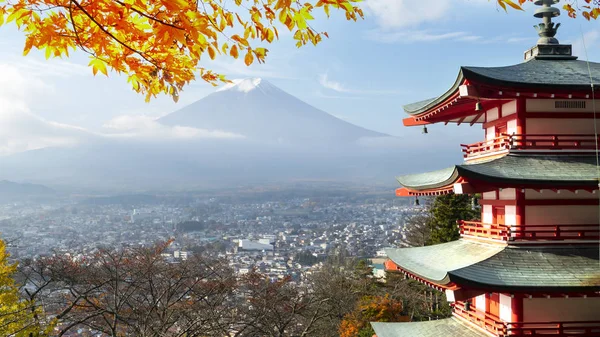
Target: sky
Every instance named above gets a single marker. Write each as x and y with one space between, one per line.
403 51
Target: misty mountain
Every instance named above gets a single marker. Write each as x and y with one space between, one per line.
249 133
258 110
12 191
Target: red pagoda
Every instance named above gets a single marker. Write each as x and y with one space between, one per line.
530 266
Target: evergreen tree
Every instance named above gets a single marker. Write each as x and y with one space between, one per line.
445 211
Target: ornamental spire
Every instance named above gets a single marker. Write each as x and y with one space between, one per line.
548 47
547 29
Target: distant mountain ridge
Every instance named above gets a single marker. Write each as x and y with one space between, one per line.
10 190
258 110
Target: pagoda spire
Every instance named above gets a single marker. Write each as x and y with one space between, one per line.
547 29
548 47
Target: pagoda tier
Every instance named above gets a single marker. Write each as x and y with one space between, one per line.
574 172
492 87
465 267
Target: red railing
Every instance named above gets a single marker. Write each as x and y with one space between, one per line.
529 232
479 229
540 142
556 232
494 325
552 142
486 147
581 328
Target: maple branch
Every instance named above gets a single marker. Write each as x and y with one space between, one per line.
125 45
147 16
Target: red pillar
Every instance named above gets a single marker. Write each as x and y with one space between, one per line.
520 211
521 120
517 309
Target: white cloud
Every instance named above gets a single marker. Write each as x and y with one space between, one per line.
333 85
21 130
146 127
330 84
407 13
411 36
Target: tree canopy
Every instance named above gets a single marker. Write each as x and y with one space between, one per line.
158 44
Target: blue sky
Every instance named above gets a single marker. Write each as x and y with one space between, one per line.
404 51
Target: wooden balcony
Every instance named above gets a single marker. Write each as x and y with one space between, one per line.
499 328
588 232
531 142
481 230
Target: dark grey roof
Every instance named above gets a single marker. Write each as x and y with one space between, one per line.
551 269
434 262
563 74
487 266
526 170
449 327
534 74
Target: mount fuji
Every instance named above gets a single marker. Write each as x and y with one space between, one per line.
248 132
260 111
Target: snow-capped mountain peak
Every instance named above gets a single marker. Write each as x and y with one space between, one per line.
242 85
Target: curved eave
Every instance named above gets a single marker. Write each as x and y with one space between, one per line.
432 263
430 180
422 107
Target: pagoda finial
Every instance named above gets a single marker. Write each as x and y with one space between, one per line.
547 29
548 47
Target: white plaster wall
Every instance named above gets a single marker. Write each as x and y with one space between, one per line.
505 308
547 105
561 215
480 302
560 126
486 214
489 195
548 194
510 215
490 133
509 108
492 115
508 194
561 309
511 127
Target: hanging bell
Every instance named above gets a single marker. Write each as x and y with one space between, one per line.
478 106
417 202
424 130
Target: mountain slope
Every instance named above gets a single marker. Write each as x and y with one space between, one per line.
260 111
11 191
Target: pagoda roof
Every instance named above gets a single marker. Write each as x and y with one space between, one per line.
535 74
504 268
515 169
433 263
449 327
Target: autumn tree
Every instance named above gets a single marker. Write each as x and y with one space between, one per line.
159 44
371 309
18 317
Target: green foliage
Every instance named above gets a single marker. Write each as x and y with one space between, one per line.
445 211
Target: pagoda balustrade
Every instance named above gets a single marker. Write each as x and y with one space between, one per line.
500 328
529 232
531 142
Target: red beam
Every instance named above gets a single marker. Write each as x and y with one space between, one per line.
411 121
